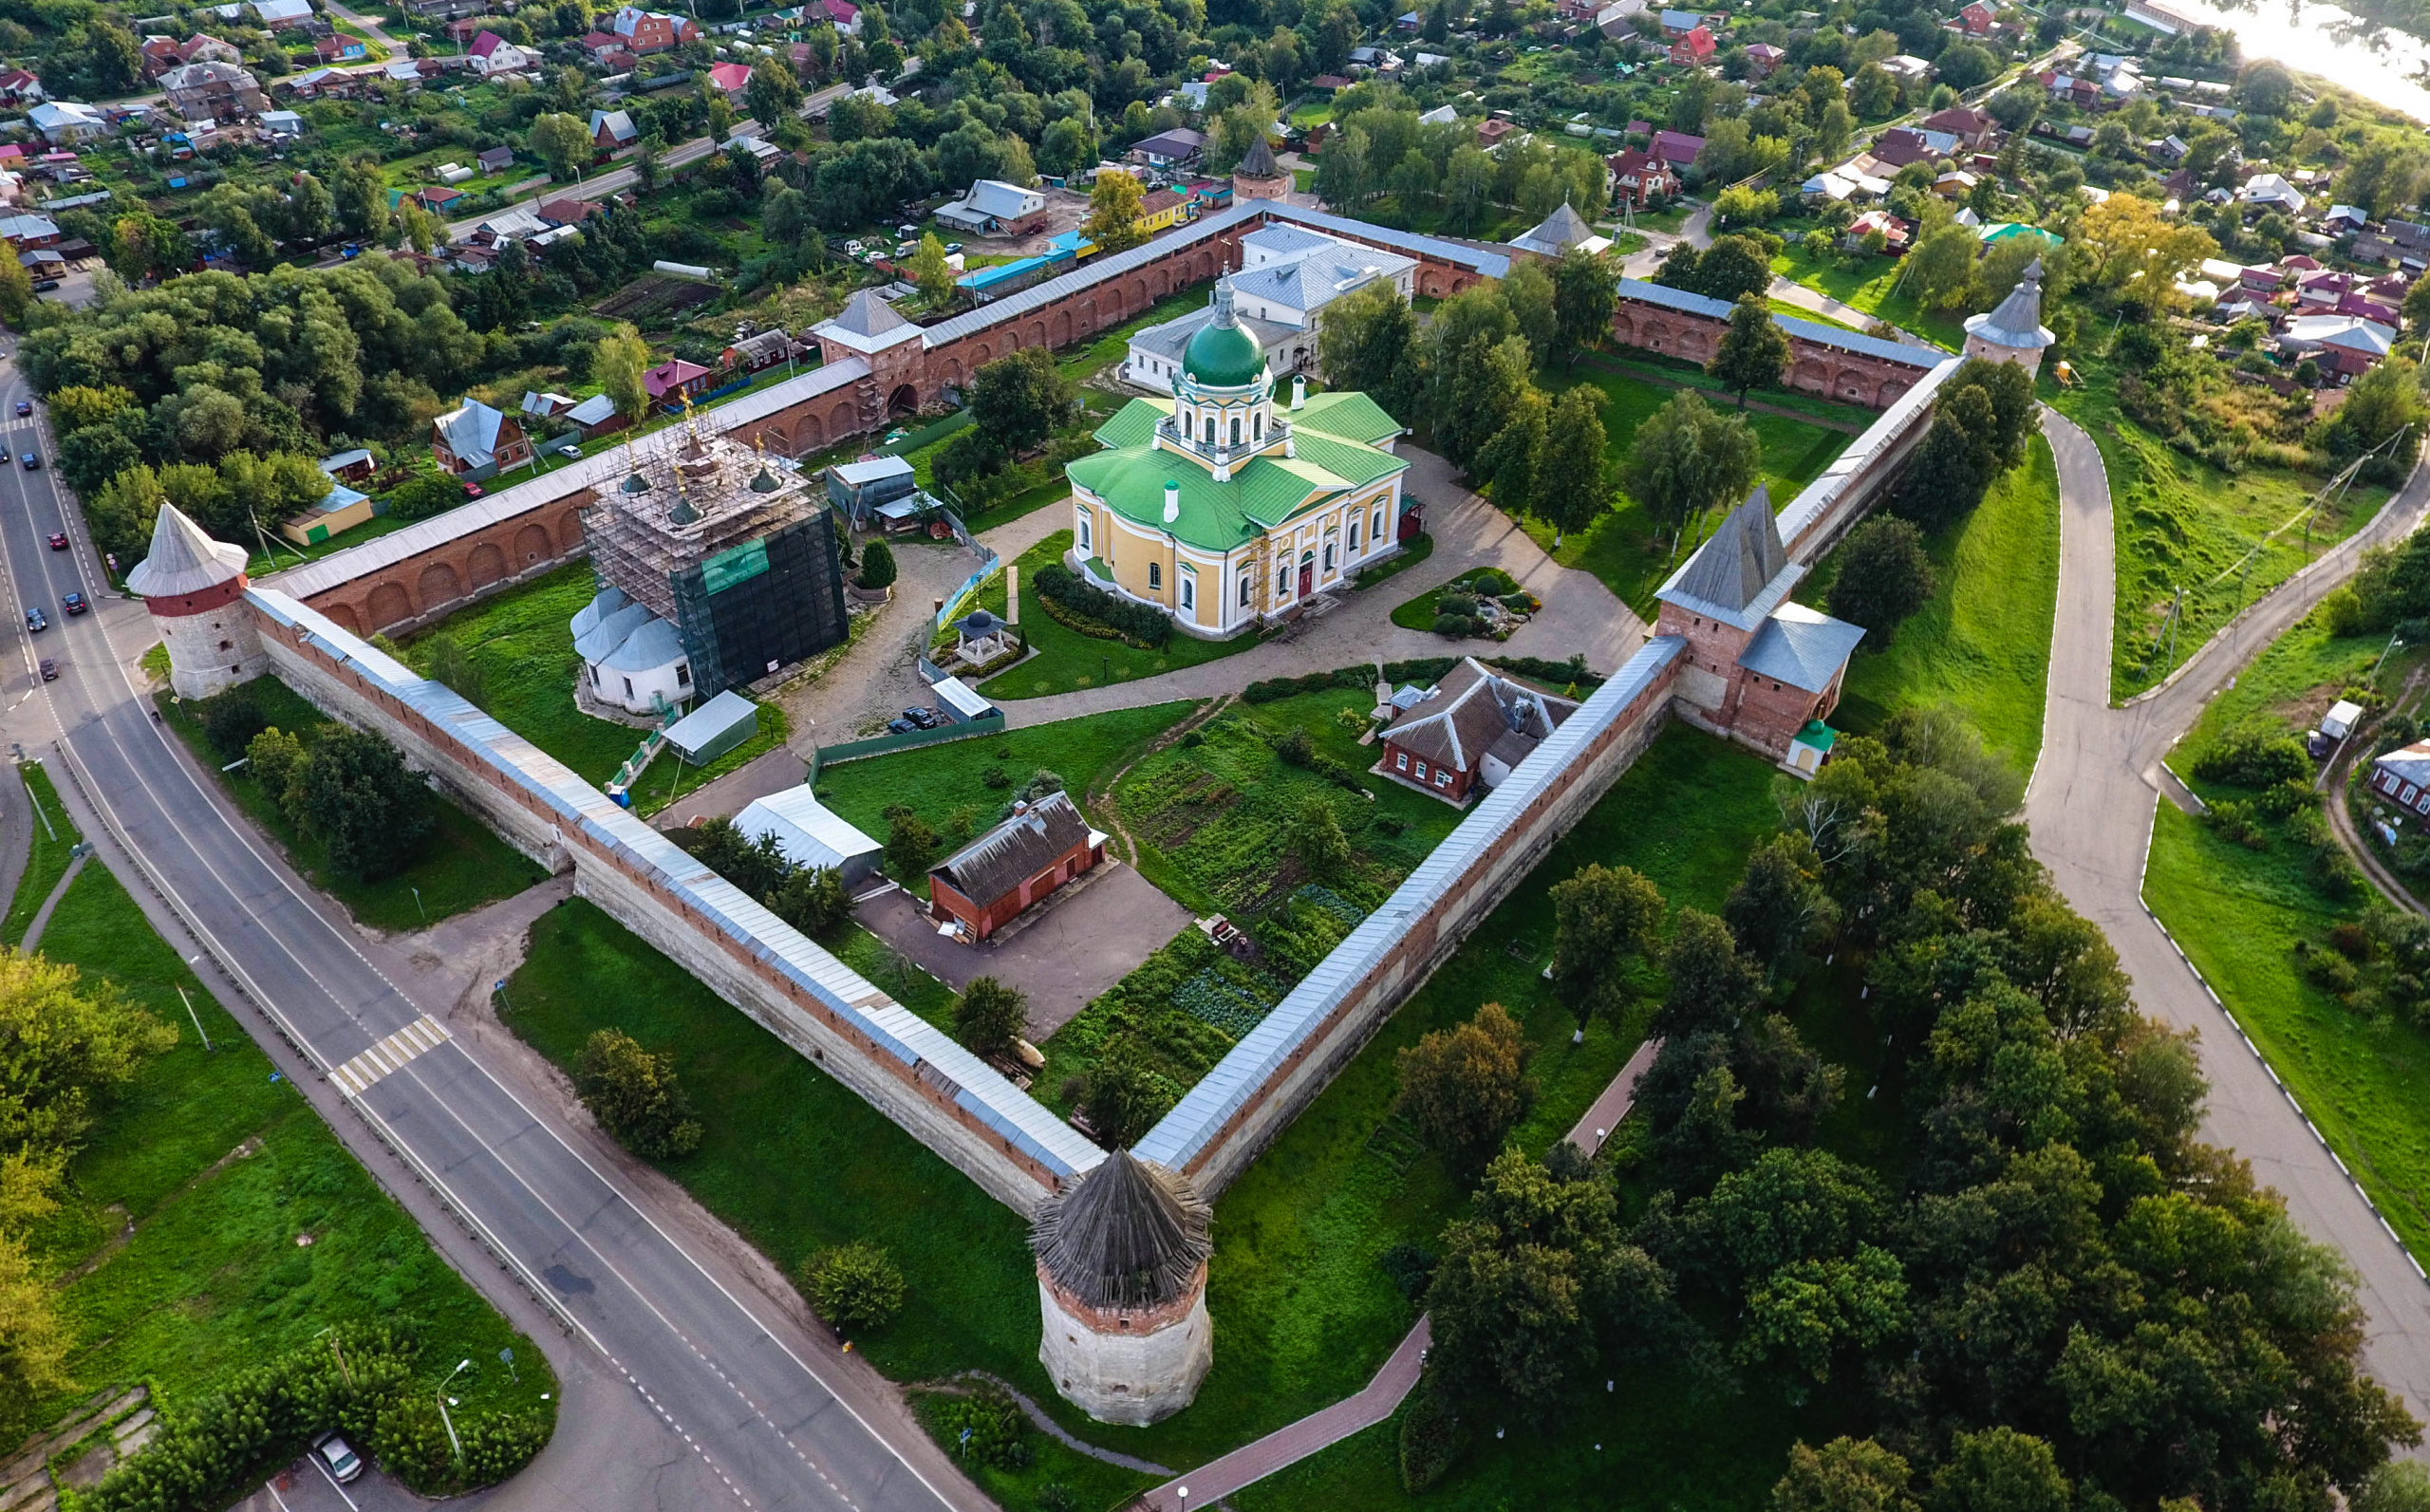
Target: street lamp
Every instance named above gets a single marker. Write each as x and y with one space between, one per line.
2393 643
441 1396
417 907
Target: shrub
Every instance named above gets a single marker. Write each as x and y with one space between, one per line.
994 778
1059 585
857 1287
2255 754
812 898
911 844
421 496
1430 1438
1412 1267
987 1427
272 760
1297 747
2281 799
635 1096
2236 821
877 566
1464 605
1455 626
2344 613
230 720
1884 576
1121 1103
356 795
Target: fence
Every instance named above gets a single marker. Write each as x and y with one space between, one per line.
992 722
989 565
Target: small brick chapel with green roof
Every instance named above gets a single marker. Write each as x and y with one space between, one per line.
1225 509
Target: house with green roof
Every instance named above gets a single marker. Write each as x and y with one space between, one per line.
1225 509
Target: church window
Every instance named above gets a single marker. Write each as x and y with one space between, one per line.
1354 523
1188 592
1379 522
1328 556
1155 576
1282 583
683 674
1084 529
1260 425
628 687
1236 430
1244 591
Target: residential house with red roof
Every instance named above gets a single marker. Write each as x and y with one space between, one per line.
1693 50
671 379
1638 177
729 80
1762 58
844 15
647 32
1678 149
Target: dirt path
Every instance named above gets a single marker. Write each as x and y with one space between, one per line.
2340 815
1099 798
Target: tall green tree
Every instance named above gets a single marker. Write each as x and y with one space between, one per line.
358 798
1366 342
1467 1087
1573 487
1753 351
1605 921
562 141
1686 457
1017 401
990 1017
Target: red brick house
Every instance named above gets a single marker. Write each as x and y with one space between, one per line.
1640 178
1492 129
1762 58
1694 49
2403 777
1759 668
1470 729
648 31
986 884
1978 19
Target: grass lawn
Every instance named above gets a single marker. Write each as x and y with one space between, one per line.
1868 287
221 1167
1410 554
1064 655
1108 348
1304 1310
1982 645
2184 524
521 641
463 866
2238 912
1622 548
48 862
934 781
775 1115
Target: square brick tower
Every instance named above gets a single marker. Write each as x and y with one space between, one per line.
1759 668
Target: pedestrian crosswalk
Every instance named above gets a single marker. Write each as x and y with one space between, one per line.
356 1077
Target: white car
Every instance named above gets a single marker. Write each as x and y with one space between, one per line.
341 1462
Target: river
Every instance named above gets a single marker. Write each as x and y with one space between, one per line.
2310 43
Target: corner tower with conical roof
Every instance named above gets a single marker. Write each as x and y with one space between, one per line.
1259 177
1122 1284
2013 332
194 587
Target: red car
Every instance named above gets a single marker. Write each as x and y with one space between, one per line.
59 540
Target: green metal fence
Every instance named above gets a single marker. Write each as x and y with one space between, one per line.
828 755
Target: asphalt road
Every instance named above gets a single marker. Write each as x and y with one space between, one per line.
741 1398
2090 810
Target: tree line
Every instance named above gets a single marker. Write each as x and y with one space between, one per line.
2049 1295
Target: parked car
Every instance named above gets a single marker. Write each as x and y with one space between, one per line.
49 670
59 540
74 603
341 1462
25 407
33 463
35 621
952 246
44 286
925 718
351 249
570 449
900 727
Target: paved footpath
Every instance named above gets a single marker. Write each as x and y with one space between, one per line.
2090 810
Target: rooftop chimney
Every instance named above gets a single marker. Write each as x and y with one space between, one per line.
1172 501
1298 390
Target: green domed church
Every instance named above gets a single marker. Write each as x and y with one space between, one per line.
1224 508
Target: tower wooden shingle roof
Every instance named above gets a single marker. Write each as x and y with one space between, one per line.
1128 1235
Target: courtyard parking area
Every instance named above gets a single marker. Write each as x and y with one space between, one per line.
1062 953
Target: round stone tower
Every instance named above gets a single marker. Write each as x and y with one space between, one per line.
195 589
2013 332
1259 177
1121 1282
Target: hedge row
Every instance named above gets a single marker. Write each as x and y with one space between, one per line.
359 1384
1424 672
1137 621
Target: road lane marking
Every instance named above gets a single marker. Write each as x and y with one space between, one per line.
360 1075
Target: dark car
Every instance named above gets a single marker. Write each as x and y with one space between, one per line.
925 718
34 621
44 286
59 540
49 670
74 603
25 407
900 726
32 463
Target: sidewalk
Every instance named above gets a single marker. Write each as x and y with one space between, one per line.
1596 1125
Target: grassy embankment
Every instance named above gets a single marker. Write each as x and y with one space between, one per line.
212 1220
2238 912
461 867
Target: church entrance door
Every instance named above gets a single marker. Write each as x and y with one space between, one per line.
1307 574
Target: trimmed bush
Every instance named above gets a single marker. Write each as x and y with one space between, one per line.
2255 754
857 1287
1136 622
877 566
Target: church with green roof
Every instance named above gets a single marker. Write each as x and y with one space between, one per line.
1225 509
